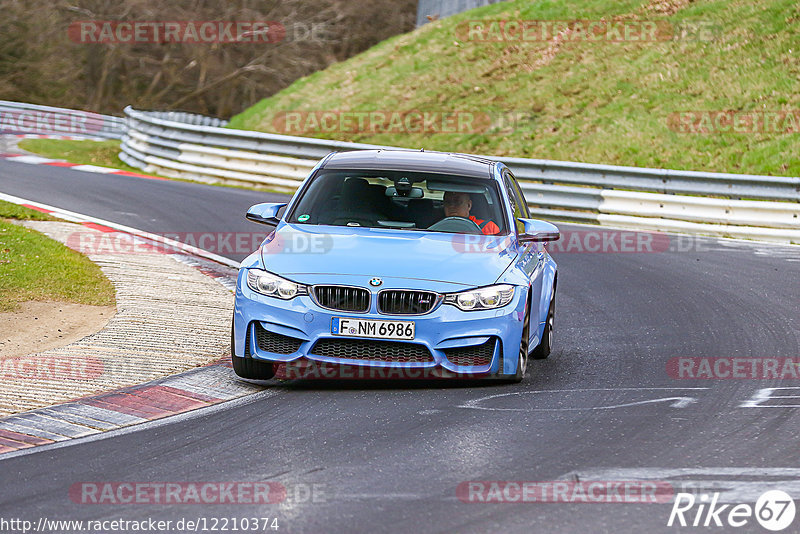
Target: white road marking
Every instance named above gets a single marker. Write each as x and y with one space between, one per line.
94 168
677 402
30 159
766 394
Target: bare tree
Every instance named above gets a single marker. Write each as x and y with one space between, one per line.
41 62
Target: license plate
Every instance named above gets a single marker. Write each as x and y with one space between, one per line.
344 326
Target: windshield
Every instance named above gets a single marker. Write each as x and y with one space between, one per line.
401 200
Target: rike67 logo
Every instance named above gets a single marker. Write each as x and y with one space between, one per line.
774 510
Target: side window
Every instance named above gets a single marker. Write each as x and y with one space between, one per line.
518 205
523 204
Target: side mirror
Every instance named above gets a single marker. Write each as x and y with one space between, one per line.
266 213
536 231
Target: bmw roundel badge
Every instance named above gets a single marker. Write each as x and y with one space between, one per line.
375 282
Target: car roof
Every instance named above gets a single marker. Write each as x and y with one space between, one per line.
412 161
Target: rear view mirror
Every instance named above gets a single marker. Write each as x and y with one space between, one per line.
266 213
536 231
414 192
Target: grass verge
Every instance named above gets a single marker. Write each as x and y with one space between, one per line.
35 267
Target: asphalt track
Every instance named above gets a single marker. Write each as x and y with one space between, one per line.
388 457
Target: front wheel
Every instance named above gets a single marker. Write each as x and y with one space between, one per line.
522 356
248 367
522 363
544 347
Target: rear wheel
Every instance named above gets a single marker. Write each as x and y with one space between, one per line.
544 347
248 367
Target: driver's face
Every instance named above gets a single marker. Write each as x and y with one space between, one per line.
457 205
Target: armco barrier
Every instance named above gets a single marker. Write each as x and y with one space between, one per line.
196 147
735 205
193 146
31 119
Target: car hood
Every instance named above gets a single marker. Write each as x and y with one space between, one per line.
468 260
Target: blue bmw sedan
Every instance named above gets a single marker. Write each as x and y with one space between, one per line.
423 262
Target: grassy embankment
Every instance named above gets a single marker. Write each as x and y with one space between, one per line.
580 100
576 99
35 267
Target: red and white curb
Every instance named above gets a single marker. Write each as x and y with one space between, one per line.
198 388
102 224
184 392
39 160
60 137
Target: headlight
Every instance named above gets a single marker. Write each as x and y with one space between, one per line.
273 285
484 298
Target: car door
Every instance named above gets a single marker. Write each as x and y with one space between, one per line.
531 255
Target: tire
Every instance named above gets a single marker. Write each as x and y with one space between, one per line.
522 362
249 368
544 347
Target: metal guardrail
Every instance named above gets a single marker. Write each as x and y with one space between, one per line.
188 145
20 118
444 8
762 207
201 148
735 205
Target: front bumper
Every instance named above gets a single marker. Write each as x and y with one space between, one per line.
442 332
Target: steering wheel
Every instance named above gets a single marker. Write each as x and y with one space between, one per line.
456 225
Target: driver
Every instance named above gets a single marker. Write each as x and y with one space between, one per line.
459 204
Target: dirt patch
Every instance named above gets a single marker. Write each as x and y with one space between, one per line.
667 7
40 326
